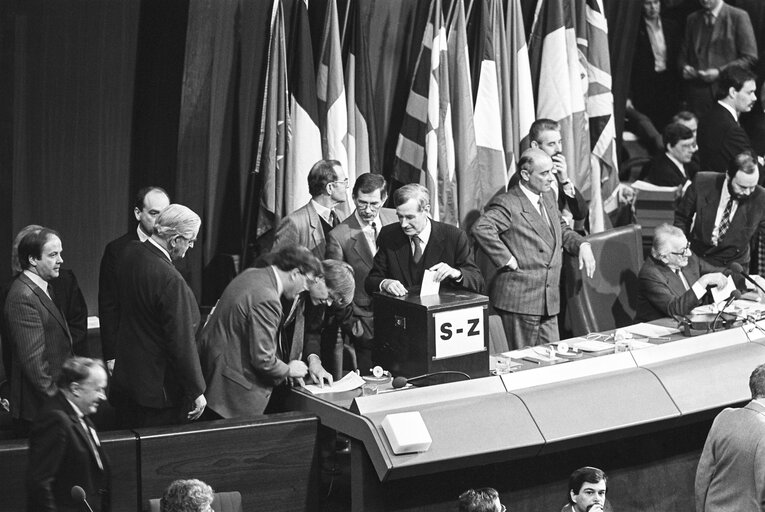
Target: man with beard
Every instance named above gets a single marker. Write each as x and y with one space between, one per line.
720 213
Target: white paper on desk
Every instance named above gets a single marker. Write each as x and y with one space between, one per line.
351 381
722 294
429 285
586 345
651 330
535 353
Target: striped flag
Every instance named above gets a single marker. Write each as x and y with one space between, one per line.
425 148
493 118
305 149
522 94
461 89
274 131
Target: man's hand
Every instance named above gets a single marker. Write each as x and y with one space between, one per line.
714 279
297 370
393 287
317 371
689 72
560 167
444 271
512 264
709 75
587 260
199 406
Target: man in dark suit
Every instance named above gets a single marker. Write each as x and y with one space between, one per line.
37 330
720 136
355 241
157 379
417 243
716 36
674 167
64 449
308 225
150 201
587 488
730 471
720 213
671 281
522 233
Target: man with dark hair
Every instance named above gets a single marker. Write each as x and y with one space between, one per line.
586 490
37 330
64 449
731 471
309 225
417 243
672 168
157 379
720 136
524 235
720 213
355 241
149 202
717 36
485 499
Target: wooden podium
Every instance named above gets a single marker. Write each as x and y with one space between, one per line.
417 335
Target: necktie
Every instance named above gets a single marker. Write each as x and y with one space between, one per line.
374 229
93 441
543 213
333 220
725 221
417 256
709 19
682 278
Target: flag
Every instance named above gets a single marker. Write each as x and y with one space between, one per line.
333 110
362 139
305 147
493 118
425 149
461 89
521 93
274 131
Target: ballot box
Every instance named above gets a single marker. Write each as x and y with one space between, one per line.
420 335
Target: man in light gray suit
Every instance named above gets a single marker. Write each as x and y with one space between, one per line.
309 225
522 232
355 241
731 471
37 330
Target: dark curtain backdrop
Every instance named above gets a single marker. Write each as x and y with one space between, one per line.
99 98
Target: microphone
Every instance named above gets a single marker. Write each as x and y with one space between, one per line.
738 269
735 294
399 382
78 494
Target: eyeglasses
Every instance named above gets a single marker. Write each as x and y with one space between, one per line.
684 252
344 182
190 241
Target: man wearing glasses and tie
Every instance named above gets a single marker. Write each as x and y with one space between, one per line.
670 280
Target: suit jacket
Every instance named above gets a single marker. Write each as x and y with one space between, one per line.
661 292
40 343
156 359
60 457
303 227
108 304
720 138
663 172
577 205
511 226
731 471
239 345
702 199
447 244
346 242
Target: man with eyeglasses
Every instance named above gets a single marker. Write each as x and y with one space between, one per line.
721 213
670 281
355 241
309 225
674 167
485 499
157 379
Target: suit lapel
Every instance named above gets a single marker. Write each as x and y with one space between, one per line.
403 253
359 241
84 436
47 303
534 218
435 248
317 232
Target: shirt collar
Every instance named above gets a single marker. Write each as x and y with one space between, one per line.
716 11
677 162
141 235
154 242
425 233
39 281
279 285
533 196
322 210
77 410
729 109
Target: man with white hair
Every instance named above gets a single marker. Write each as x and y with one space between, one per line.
157 377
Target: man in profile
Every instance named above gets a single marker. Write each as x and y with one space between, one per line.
309 225
149 203
64 449
157 379
586 490
731 470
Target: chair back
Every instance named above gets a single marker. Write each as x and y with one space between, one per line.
222 502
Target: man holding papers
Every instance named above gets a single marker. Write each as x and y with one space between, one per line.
670 280
418 243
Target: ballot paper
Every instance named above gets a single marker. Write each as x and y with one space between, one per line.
721 294
590 345
651 330
429 284
351 381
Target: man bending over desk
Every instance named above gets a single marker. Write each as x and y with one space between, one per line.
670 280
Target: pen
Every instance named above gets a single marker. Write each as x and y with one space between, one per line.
531 360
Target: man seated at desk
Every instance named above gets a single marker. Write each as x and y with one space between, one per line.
671 281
